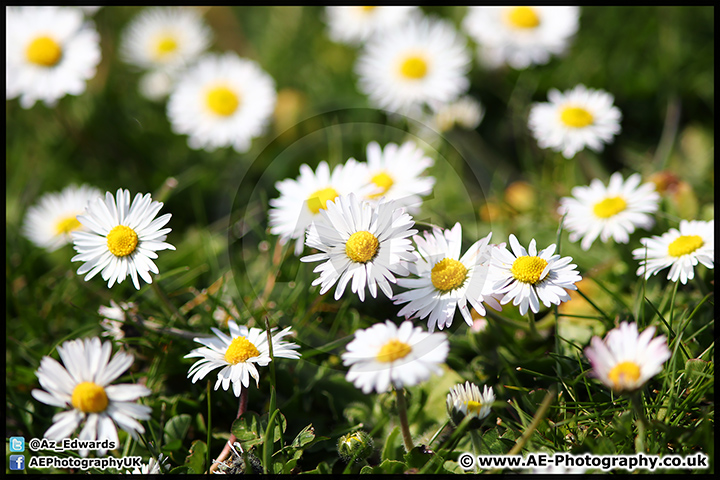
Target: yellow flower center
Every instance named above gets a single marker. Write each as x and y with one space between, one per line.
393 350
319 199
165 45
473 406
368 9
239 350
382 180
576 117
523 17
362 246
414 68
609 207
89 397
528 269
684 245
624 373
122 241
222 101
44 51
67 225
448 274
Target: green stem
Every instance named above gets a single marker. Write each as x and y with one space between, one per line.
402 413
475 437
641 420
533 327
209 426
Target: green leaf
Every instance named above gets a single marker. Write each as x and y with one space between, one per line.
386 467
196 458
248 430
269 441
280 422
182 469
172 445
418 456
323 469
305 436
390 448
176 428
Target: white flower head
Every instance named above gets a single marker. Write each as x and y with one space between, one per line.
123 238
355 24
385 355
115 315
361 242
49 222
238 355
625 360
528 277
396 172
614 211
446 281
153 467
222 101
82 387
302 199
521 36
50 52
465 112
424 62
681 250
165 38
575 119
467 400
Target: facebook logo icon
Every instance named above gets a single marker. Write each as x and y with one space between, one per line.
17 462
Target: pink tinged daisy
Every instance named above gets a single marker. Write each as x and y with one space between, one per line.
222 101
681 250
521 36
355 24
445 281
423 63
82 387
575 119
396 172
614 211
48 223
123 238
386 355
528 277
624 361
361 242
239 355
302 199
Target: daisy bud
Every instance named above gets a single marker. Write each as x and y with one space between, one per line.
357 446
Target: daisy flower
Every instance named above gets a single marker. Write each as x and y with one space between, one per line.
238 354
520 36
50 52
529 277
624 361
123 238
153 467
302 199
572 120
363 242
82 387
385 355
467 400
681 250
445 280
221 101
355 24
613 211
114 320
396 173
424 62
465 112
48 223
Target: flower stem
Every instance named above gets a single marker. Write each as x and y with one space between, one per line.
641 422
242 407
402 413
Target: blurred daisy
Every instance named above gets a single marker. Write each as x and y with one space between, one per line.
467 400
123 238
238 354
153 467
155 85
302 199
624 361
113 322
355 24
445 281
521 36
50 52
48 223
89 10
575 119
221 101
613 211
385 355
681 250
82 387
424 62
465 112
529 277
362 242
396 173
